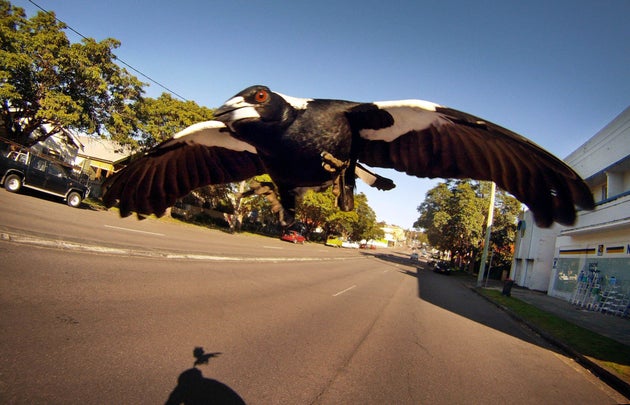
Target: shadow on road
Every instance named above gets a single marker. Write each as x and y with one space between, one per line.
193 388
453 293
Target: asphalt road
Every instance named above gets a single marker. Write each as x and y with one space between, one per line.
293 324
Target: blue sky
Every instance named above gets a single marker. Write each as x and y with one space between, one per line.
554 71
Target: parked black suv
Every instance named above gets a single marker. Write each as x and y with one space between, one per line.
20 167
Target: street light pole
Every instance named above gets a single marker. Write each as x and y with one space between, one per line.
484 256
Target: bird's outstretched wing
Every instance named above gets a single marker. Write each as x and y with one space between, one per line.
204 153
427 140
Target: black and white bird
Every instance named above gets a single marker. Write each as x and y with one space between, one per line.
315 143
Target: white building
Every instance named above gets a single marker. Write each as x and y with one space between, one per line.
394 235
534 249
552 259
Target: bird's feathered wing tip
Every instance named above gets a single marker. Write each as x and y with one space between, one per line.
202 154
427 140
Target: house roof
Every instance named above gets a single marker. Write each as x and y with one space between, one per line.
104 150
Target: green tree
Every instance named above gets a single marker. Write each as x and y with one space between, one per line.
433 215
453 216
161 118
45 79
506 211
318 209
366 226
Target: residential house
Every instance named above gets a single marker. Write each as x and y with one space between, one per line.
63 145
99 158
102 156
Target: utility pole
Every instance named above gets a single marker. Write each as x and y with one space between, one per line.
484 256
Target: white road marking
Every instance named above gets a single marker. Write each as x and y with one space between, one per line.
158 254
344 291
272 247
133 230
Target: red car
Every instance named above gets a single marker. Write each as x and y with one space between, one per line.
293 236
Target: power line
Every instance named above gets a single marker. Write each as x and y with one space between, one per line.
115 57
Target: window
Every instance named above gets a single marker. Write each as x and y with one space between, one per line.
55 170
39 164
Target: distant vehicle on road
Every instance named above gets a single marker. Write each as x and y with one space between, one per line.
350 244
441 266
20 167
414 257
293 236
334 241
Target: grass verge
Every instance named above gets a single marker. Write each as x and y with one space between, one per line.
606 352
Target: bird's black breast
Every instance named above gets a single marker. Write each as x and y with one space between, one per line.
321 127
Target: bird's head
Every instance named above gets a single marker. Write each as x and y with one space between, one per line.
257 111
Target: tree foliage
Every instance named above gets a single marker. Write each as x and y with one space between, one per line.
48 80
506 211
320 210
453 216
159 119
366 226
48 83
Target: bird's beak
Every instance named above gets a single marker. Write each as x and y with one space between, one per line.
235 109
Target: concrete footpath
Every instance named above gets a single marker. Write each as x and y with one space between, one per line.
611 326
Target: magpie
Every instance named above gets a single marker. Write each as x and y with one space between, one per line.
307 144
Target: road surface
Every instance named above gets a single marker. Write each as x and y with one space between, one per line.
293 324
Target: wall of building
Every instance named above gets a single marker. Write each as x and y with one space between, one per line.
599 243
606 148
533 254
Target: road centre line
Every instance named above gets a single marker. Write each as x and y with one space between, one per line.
344 291
133 230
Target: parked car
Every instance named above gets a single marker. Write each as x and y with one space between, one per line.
293 236
334 241
414 257
22 168
442 267
367 246
350 244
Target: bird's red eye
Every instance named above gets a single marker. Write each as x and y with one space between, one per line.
261 96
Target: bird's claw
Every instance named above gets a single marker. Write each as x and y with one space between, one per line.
332 164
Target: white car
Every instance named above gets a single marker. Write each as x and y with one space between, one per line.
350 244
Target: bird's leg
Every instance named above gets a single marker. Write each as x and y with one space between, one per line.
345 199
332 164
342 188
286 213
266 189
284 207
337 168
